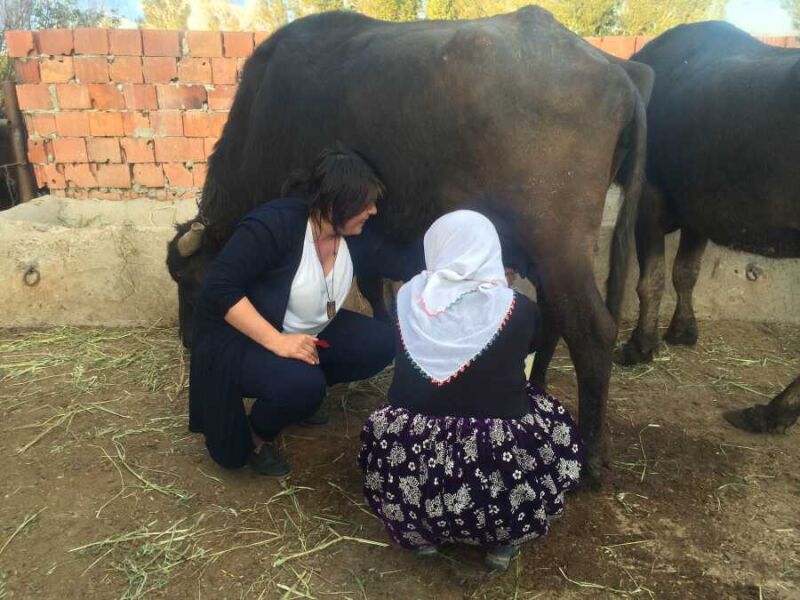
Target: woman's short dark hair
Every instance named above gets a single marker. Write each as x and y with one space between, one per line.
339 185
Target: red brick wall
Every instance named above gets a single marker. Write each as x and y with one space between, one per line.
115 113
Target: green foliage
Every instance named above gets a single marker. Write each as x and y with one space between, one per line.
793 8
652 17
165 14
390 10
269 15
587 17
440 9
50 14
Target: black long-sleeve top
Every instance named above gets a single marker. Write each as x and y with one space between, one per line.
492 386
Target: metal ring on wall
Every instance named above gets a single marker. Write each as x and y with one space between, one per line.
32 277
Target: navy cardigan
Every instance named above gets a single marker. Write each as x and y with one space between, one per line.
259 261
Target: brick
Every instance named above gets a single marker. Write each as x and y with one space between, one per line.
44 125
260 36
91 69
641 41
56 69
203 124
223 71
136 124
51 177
194 70
204 43
109 195
106 124
619 46
140 97
72 123
126 69
199 174
103 150
221 97
69 150
793 42
91 40
106 96
237 43
159 69
179 149
80 175
34 96
780 42
208 145
20 43
161 43
148 175
39 175
125 42
114 176
594 41
167 123
185 97
137 150
27 71
71 95
55 41
178 175
37 151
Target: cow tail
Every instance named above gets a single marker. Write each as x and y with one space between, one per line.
632 178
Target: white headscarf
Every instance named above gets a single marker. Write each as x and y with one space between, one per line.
451 311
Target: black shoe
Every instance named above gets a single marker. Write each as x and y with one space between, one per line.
499 557
321 417
268 462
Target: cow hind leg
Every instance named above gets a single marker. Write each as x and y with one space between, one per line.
776 417
683 328
650 231
589 331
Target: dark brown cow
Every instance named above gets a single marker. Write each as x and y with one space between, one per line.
514 108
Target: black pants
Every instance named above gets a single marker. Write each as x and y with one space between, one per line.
288 390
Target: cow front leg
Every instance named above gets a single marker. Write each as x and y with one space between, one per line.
650 231
546 342
683 328
372 289
776 417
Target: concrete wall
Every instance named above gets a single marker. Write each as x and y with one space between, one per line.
102 263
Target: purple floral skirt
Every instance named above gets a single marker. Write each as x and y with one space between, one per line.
435 480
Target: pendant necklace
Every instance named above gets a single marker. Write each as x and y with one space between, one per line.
330 306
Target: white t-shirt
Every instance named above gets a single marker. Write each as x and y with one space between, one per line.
307 311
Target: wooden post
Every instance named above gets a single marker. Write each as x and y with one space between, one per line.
24 178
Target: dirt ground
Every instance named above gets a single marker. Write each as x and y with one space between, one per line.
106 495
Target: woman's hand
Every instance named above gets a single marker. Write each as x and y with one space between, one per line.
244 317
296 345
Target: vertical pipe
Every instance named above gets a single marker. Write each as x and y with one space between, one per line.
24 178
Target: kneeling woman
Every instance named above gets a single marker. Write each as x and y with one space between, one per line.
467 451
268 324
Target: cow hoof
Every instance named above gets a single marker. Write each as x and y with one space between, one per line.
756 419
684 334
630 354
